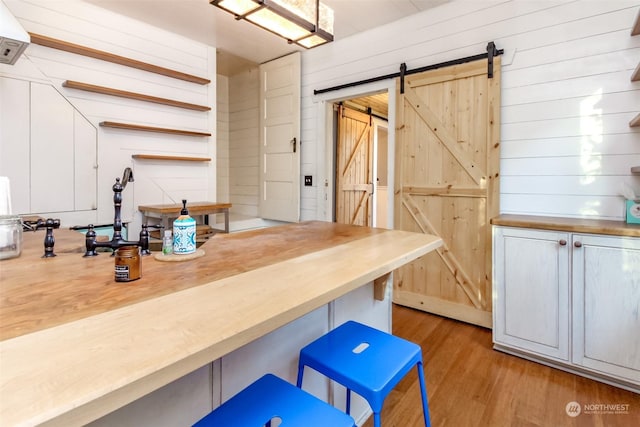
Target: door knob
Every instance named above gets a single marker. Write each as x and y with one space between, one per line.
577 244
562 242
294 142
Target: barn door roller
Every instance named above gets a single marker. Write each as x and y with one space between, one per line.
491 53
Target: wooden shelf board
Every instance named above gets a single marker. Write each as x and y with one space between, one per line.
179 158
130 126
635 30
635 122
636 74
132 95
110 57
571 225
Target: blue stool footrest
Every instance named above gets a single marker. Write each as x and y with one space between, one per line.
271 398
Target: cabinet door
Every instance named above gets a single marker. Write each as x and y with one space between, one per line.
85 164
531 291
52 155
14 141
606 305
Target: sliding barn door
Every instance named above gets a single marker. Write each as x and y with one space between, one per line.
446 184
354 168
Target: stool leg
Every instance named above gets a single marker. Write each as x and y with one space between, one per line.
423 392
300 374
376 419
348 401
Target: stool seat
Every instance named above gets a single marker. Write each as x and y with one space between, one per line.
365 360
270 398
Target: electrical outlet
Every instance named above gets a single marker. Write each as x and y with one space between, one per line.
308 181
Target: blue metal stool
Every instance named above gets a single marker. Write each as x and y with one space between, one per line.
271 398
364 360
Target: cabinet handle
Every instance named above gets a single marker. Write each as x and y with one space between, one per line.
562 242
577 244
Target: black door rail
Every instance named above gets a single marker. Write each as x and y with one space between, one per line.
492 52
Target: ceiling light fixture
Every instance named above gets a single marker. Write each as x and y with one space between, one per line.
307 23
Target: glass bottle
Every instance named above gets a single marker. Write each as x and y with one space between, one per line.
167 243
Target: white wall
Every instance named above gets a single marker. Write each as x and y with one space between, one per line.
222 138
85 24
244 139
566 94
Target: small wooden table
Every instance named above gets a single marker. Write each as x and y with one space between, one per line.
170 211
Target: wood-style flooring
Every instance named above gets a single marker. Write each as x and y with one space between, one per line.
470 384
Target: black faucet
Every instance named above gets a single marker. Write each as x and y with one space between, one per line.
49 240
117 241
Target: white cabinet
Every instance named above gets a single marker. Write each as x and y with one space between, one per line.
14 140
570 300
606 305
51 157
531 307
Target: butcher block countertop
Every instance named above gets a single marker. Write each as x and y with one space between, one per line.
76 345
571 225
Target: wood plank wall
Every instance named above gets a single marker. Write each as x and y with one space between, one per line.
85 24
567 98
222 138
244 139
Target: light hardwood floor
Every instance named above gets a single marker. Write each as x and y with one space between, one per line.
470 384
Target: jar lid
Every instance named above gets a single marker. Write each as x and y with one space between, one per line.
10 219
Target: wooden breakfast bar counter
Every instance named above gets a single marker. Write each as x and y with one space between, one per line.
76 345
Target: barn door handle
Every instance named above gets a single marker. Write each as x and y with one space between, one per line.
294 142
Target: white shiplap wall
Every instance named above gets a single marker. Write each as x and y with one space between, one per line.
567 98
244 136
155 181
222 138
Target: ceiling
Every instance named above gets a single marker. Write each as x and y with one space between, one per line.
241 44
377 104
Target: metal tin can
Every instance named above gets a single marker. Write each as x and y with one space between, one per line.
128 264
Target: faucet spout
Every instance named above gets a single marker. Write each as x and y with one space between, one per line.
127 176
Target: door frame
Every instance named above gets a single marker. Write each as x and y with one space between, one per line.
325 148
377 124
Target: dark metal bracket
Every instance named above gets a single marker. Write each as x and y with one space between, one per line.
491 53
403 71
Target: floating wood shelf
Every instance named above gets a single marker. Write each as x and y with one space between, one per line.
635 30
110 57
132 95
179 158
636 74
130 126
